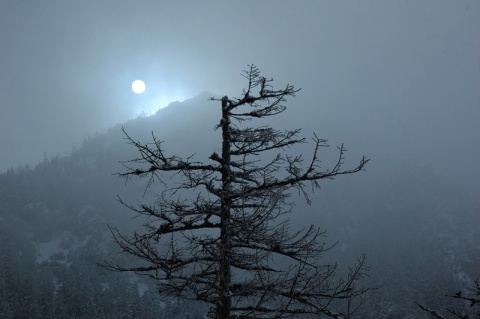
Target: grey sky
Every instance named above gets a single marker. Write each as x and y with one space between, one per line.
399 77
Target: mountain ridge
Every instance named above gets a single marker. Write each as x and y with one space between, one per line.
417 229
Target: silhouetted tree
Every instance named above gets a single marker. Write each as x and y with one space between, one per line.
471 299
230 244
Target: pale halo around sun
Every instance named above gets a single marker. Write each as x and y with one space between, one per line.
138 86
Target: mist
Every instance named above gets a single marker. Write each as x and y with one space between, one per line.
394 81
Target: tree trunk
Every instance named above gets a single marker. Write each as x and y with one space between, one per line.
223 309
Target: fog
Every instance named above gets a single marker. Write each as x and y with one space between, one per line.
402 76
395 81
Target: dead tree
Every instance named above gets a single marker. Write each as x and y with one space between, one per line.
230 245
470 300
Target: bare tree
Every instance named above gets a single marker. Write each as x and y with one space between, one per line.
230 244
470 298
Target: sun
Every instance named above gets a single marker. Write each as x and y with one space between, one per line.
138 86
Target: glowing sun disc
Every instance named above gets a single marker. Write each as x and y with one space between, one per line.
138 86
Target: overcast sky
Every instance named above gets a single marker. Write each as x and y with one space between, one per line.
407 72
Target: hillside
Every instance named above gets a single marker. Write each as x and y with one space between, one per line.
419 231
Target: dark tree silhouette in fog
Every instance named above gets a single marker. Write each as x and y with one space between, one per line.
220 234
470 300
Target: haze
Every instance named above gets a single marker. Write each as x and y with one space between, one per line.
398 75
396 81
